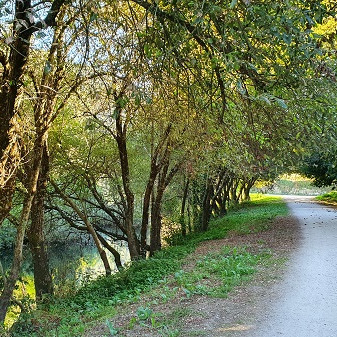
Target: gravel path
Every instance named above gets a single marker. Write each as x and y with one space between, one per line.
298 299
307 301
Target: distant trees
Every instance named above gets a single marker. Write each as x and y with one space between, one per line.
322 168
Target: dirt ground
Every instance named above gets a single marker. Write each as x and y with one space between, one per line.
236 315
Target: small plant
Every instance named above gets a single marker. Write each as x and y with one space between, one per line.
167 332
132 323
113 331
187 292
144 314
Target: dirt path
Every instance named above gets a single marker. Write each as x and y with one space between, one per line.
306 304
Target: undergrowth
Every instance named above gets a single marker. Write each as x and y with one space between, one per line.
330 197
215 275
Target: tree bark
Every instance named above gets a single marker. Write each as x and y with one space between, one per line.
155 241
146 206
249 183
113 251
206 206
10 153
164 179
42 277
183 206
133 243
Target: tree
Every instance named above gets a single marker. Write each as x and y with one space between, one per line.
322 168
13 58
24 26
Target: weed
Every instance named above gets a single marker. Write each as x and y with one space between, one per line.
144 314
225 269
113 331
132 323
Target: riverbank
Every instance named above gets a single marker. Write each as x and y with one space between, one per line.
207 265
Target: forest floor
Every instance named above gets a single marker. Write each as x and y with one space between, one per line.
202 315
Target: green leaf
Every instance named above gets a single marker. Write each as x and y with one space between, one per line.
147 50
265 99
47 67
233 4
287 38
113 331
93 17
281 103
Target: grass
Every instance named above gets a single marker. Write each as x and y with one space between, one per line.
330 197
217 273
214 274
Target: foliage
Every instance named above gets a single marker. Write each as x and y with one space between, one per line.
322 168
249 217
113 331
330 197
293 184
7 235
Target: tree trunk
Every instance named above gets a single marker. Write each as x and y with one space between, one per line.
113 251
206 206
247 187
155 239
6 196
42 277
233 191
183 206
155 242
89 226
33 175
164 178
146 207
120 137
10 131
10 154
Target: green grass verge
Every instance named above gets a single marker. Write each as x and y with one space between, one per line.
99 299
330 197
217 273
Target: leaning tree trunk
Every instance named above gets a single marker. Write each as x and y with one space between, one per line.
113 251
33 175
42 277
88 224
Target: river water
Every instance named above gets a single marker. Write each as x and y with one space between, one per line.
71 264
